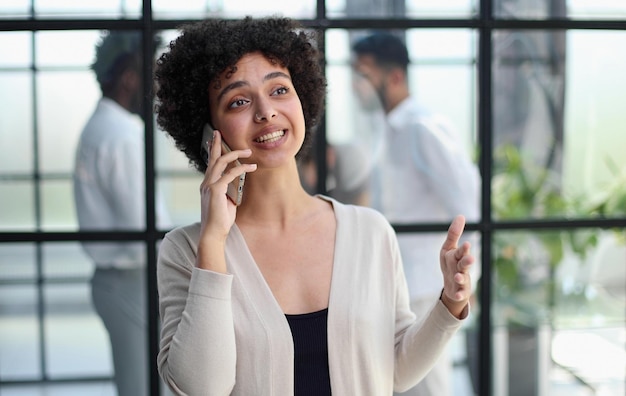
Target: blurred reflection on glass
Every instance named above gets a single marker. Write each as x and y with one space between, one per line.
198 9
355 142
386 9
19 327
17 205
559 9
20 336
109 9
559 124
17 202
559 307
355 126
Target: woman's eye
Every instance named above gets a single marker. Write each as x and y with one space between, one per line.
281 91
238 103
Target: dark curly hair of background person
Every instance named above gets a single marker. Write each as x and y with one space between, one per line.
205 49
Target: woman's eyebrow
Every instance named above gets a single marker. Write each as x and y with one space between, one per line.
242 83
276 74
230 87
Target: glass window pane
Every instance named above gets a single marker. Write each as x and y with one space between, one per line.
196 9
62 117
16 122
66 260
442 9
360 9
88 9
453 45
14 9
17 261
443 62
16 49
399 9
553 290
105 143
17 206
366 149
58 211
595 135
164 9
90 320
558 124
432 85
529 9
167 157
77 344
53 49
600 9
559 9
181 197
19 333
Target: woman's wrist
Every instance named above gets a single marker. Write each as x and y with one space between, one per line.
457 308
210 254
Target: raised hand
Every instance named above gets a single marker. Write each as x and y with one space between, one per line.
455 263
217 211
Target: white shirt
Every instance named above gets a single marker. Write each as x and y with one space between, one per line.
424 175
109 186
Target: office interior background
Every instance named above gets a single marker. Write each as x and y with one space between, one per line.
535 89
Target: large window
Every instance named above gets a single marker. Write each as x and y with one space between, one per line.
534 91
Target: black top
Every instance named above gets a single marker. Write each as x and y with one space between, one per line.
310 344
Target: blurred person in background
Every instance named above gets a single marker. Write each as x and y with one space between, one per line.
423 175
109 193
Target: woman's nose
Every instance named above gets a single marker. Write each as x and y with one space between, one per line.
264 112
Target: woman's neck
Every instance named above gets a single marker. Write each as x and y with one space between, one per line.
274 197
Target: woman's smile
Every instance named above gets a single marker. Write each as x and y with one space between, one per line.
270 137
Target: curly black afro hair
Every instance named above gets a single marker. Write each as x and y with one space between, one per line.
207 48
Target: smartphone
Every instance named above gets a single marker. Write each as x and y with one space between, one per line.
235 188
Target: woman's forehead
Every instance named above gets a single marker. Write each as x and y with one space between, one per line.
250 65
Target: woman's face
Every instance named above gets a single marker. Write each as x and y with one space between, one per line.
255 106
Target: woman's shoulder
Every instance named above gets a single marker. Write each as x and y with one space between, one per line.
184 235
357 215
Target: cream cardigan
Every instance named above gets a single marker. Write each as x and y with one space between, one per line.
225 334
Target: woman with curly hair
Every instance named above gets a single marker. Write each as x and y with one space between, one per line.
286 293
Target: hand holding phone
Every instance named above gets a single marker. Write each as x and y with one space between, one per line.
235 188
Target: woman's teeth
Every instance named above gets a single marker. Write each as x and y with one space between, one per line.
271 137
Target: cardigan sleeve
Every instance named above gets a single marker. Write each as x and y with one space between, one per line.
197 349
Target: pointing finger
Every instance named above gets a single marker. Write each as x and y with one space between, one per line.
454 233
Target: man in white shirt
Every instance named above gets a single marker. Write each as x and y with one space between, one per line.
423 175
109 192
